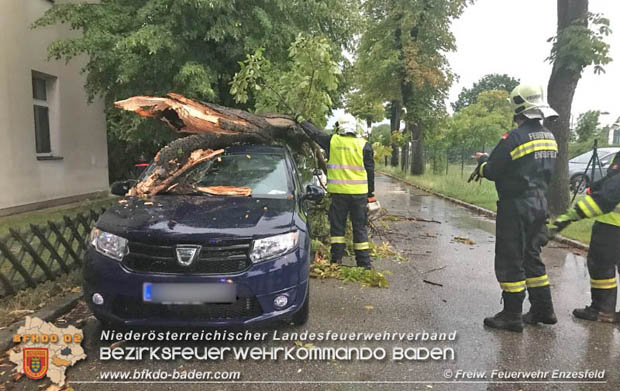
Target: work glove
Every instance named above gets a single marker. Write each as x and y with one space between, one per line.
476 175
371 198
562 222
299 118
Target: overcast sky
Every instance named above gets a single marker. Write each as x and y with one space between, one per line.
510 36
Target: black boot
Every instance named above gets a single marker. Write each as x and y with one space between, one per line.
541 310
603 308
510 317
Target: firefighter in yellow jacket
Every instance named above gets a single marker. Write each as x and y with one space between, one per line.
602 203
351 184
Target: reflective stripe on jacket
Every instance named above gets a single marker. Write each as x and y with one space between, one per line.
588 207
345 169
522 163
612 218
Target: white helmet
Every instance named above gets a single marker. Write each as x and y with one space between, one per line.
345 126
529 100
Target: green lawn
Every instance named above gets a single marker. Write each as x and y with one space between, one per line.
482 194
55 214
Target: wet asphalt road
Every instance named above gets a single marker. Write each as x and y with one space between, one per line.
467 293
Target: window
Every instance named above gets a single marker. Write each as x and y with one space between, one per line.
40 86
584 159
616 137
266 174
607 159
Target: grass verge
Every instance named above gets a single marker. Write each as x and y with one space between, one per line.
28 301
482 194
54 214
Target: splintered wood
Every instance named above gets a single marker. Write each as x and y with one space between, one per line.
226 190
160 180
182 114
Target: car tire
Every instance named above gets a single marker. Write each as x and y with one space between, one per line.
576 180
300 317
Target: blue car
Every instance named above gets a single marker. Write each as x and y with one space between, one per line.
188 258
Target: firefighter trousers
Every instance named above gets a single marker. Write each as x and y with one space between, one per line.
520 235
603 259
343 205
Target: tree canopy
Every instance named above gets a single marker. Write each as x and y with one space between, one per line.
192 47
402 58
588 125
483 122
493 81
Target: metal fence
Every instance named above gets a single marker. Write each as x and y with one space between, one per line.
438 160
43 252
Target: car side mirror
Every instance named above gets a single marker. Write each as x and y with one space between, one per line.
120 188
313 193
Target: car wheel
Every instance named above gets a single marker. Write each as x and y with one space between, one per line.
579 183
300 317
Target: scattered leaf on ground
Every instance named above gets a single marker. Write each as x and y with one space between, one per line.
463 240
116 344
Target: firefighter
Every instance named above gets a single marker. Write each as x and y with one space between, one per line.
521 166
351 184
602 203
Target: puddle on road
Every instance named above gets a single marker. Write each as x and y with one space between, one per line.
568 270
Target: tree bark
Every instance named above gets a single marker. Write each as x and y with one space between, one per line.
397 107
404 153
560 91
418 166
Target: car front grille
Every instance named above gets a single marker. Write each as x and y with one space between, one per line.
130 308
232 257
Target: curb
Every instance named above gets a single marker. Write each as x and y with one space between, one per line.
482 211
49 312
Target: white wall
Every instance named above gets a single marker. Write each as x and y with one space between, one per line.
77 129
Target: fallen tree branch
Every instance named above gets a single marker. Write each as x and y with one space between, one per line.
212 127
157 182
432 283
405 218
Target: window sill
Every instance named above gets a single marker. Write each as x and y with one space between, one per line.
44 158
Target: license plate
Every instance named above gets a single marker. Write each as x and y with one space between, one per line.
188 293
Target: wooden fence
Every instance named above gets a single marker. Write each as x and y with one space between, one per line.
43 252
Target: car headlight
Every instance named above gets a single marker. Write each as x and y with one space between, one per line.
109 244
273 246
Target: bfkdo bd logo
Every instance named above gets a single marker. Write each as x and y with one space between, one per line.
36 362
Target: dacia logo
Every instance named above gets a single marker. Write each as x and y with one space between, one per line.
186 253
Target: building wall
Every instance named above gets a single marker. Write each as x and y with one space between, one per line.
77 129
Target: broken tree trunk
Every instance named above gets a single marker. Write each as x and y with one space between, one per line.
212 127
185 115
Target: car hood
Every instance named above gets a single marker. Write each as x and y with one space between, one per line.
176 218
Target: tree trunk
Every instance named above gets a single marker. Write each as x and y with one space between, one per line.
404 151
560 91
395 127
417 140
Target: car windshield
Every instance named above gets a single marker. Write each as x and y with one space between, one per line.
584 158
265 174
